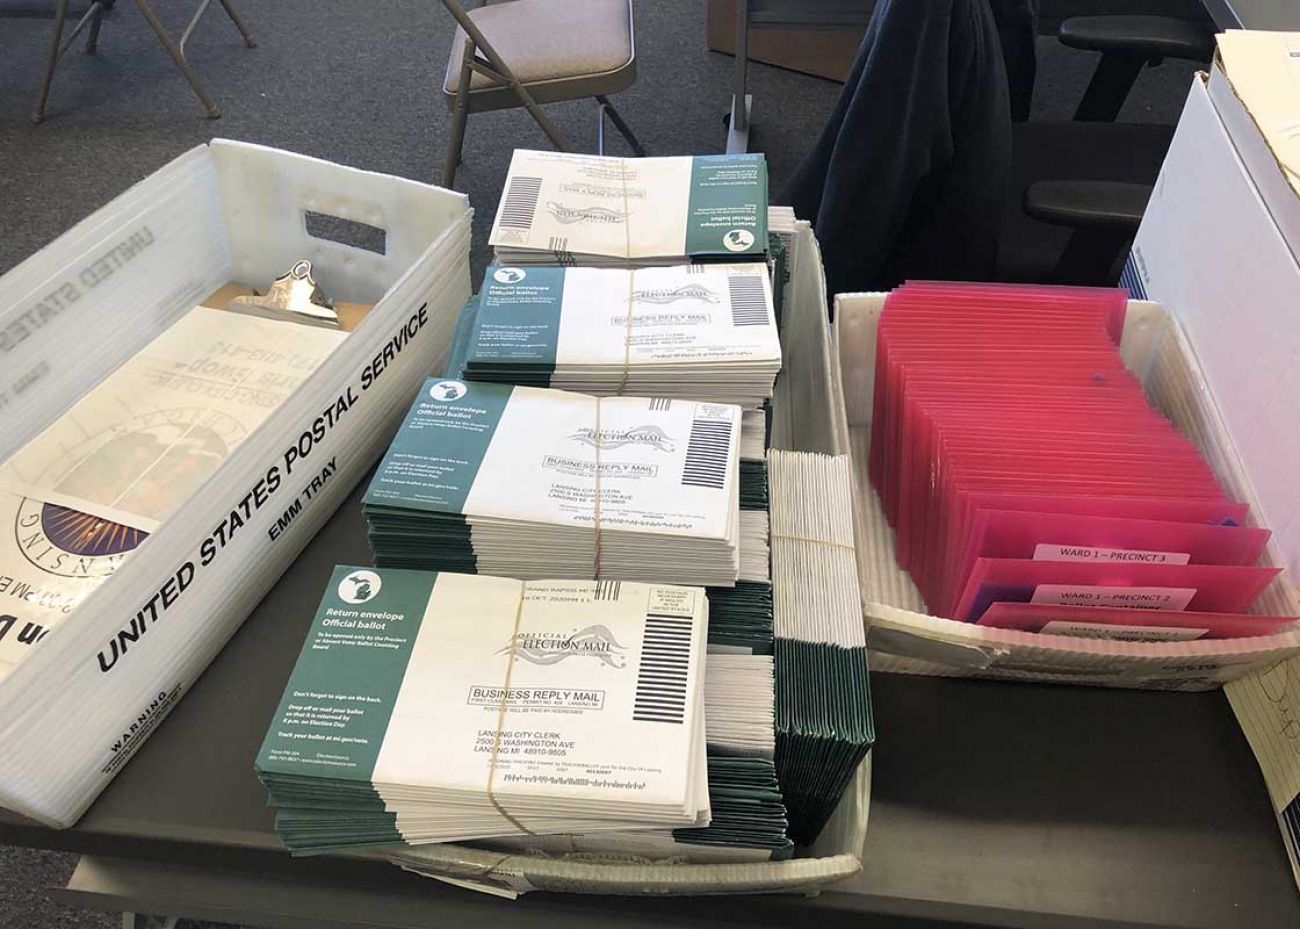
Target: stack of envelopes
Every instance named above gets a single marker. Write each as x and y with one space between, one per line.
748 817
740 617
823 703
780 238
563 208
434 707
700 332
530 483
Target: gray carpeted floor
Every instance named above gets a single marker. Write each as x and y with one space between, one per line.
358 83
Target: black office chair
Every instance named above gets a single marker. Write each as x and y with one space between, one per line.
1129 43
1078 192
1083 226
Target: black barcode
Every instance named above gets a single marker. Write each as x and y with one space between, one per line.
559 246
707 453
608 590
660 404
695 269
521 202
748 302
665 663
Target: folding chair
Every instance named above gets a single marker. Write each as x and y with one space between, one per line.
529 52
779 14
94 17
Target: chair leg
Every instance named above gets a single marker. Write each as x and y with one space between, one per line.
178 57
92 40
239 24
51 59
739 117
456 145
1109 87
607 108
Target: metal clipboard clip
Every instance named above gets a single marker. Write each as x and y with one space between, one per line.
294 296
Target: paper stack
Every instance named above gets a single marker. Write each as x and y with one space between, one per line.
748 816
740 617
561 208
698 332
780 254
530 483
87 491
435 707
823 703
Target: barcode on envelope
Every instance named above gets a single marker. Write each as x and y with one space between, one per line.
748 302
707 454
520 204
608 590
665 663
559 247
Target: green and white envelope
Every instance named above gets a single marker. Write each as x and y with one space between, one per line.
748 815
700 332
567 208
503 480
436 707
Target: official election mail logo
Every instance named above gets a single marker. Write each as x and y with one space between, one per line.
694 293
68 543
509 275
360 587
738 240
648 435
547 648
573 215
447 391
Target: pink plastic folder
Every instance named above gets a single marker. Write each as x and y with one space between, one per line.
1131 625
1018 459
1071 537
1200 588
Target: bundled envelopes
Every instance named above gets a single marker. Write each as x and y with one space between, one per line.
593 210
530 483
699 332
824 725
436 707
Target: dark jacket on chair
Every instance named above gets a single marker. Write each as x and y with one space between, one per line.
909 177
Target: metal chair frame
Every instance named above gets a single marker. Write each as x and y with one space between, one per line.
94 18
479 57
778 14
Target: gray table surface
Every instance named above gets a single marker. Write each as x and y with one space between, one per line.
993 803
1255 14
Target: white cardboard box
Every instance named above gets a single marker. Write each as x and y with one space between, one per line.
1255 87
81 306
1218 347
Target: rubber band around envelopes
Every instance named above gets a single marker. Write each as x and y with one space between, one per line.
501 715
596 573
799 538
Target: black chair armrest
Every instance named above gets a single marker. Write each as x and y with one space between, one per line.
1149 36
1105 205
